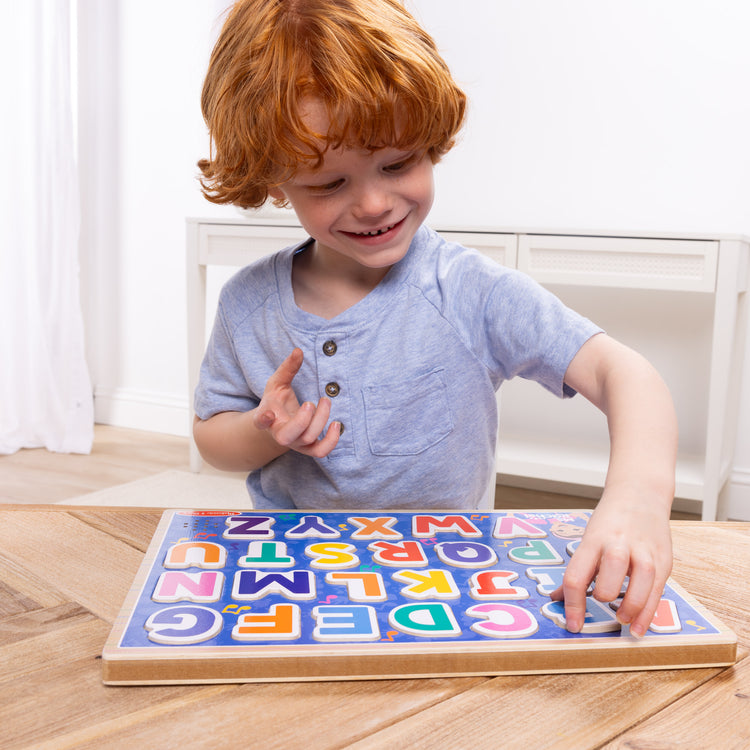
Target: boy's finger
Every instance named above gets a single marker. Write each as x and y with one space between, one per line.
575 607
576 581
329 441
264 420
635 599
613 569
286 370
289 432
317 423
643 620
639 596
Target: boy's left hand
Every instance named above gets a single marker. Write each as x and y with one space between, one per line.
627 537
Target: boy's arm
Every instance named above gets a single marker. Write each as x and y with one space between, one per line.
628 534
245 441
229 441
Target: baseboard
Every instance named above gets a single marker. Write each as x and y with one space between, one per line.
142 410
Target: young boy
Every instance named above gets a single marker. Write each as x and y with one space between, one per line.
359 368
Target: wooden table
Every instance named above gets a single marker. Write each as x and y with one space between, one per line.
64 573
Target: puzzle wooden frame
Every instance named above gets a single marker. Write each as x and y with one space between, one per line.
250 596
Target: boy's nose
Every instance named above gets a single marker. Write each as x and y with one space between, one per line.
372 201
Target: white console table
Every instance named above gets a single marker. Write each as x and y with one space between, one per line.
684 296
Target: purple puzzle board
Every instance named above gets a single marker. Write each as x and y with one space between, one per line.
242 596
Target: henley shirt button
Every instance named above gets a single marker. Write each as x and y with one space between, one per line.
329 348
332 390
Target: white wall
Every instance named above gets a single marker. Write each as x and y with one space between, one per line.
629 116
585 115
141 133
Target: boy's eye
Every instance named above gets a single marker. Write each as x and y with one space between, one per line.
397 167
327 187
401 164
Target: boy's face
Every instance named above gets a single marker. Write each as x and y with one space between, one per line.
362 208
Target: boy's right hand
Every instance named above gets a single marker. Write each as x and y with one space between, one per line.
293 426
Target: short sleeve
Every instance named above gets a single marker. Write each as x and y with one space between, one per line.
222 385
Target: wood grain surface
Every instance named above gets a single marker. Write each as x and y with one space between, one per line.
65 573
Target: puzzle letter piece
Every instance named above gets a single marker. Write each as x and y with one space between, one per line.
398 553
427 526
332 555
183 625
312 526
501 620
510 527
466 554
266 555
282 622
495 584
177 585
536 551
360 586
547 578
666 619
375 528
252 527
255 584
427 584
429 620
353 622
205 555
599 617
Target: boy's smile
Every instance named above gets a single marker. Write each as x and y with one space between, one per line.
378 232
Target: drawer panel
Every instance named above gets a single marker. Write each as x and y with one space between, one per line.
502 248
683 265
239 245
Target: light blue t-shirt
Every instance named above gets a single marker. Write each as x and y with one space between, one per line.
411 370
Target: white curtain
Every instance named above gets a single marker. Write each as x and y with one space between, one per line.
45 389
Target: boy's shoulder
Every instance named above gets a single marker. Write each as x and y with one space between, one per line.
447 259
460 280
265 270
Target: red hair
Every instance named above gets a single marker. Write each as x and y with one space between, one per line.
377 72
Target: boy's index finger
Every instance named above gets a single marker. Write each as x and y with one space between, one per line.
286 371
575 608
576 581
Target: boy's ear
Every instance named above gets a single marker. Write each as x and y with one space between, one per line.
277 194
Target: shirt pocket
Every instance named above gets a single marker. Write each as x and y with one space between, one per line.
409 416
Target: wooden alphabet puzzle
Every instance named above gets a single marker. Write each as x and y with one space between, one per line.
299 595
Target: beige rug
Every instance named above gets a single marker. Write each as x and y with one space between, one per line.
173 489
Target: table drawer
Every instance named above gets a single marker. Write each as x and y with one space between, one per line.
238 245
683 265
